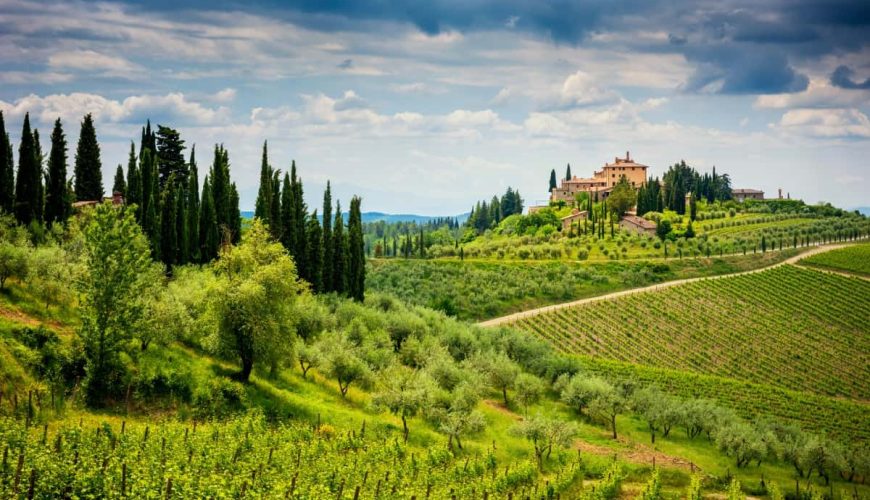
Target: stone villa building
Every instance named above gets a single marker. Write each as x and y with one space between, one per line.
603 180
743 194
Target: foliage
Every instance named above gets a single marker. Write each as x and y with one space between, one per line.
545 434
855 259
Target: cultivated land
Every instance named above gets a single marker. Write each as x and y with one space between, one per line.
853 259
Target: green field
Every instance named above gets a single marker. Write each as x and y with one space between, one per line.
794 328
483 289
853 259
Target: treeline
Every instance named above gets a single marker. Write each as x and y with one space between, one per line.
680 180
328 256
409 238
487 215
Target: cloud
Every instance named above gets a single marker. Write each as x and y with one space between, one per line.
28 77
825 123
224 96
734 70
842 77
133 109
819 94
89 60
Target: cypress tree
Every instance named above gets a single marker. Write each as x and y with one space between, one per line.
235 223
299 215
57 207
275 209
208 228
151 226
181 232
170 156
339 254
553 184
119 185
263 205
356 252
314 259
39 200
133 196
192 209
288 215
149 141
29 175
220 186
148 175
168 224
7 170
88 167
568 173
327 245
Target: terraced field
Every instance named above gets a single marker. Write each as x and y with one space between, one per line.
789 327
854 259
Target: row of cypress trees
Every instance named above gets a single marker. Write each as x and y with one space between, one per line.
327 255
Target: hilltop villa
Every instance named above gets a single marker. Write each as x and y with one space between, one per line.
742 194
603 180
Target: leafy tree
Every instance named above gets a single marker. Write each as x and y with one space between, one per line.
192 208
275 209
13 261
50 274
133 196
663 229
7 170
545 433
263 204
607 402
623 197
57 196
151 227
528 389
220 186
88 166
502 372
235 221
741 441
253 300
182 255
170 156
343 362
28 183
356 252
119 185
579 391
288 214
340 254
168 221
116 259
148 175
660 411
404 392
690 231
309 357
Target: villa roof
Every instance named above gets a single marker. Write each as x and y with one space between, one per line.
747 191
574 214
639 222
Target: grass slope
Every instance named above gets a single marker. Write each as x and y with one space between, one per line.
854 259
788 326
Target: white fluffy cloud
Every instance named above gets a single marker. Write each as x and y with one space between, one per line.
93 62
827 123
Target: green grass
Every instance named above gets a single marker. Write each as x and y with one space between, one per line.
483 289
854 259
791 327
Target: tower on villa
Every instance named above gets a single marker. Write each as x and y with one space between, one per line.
603 180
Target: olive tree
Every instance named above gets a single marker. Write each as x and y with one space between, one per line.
404 392
501 371
529 390
659 410
607 402
545 433
741 441
252 300
342 361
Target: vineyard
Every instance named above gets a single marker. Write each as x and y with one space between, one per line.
248 457
854 259
790 327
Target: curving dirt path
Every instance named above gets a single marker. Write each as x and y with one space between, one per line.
511 318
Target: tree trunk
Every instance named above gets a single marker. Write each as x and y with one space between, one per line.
613 425
504 394
247 366
458 442
405 427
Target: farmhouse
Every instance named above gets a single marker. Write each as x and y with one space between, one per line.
602 181
638 224
574 216
747 194
117 199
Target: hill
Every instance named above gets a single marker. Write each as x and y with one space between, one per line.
385 217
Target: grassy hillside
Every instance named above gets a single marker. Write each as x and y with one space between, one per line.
791 327
854 259
483 289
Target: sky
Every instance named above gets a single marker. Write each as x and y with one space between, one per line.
426 107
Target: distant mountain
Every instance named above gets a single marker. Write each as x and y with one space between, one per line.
388 218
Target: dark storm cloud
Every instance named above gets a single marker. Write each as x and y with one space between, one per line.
842 77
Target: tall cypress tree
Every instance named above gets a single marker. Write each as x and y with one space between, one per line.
208 227
327 244
356 252
120 184
133 196
88 167
193 208
39 201
57 207
314 259
151 226
7 170
181 234
148 175
148 141
170 156
299 215
568 173
275 208
339 254
168 223
263 205
235 223
288 215
552 181
220 186
29 175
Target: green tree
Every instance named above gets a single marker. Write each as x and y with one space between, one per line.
119 185
275 210
182 237
502 372
253 300
553 184
568 173
288 214
170 156
209 239
544 434
343 362
404 392
314 253
148 174
235 221
340 257
88 166
57 198
151 227
741 441
133 195
663 229
356 252
607 402
528 389
220 186
192 209
328 245
263 204
13 261
7 170
28 183
623 197
168 222
116 259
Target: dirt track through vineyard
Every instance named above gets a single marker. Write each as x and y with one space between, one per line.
510 318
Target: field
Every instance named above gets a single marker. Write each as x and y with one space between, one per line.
854 259
790 327
483 289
